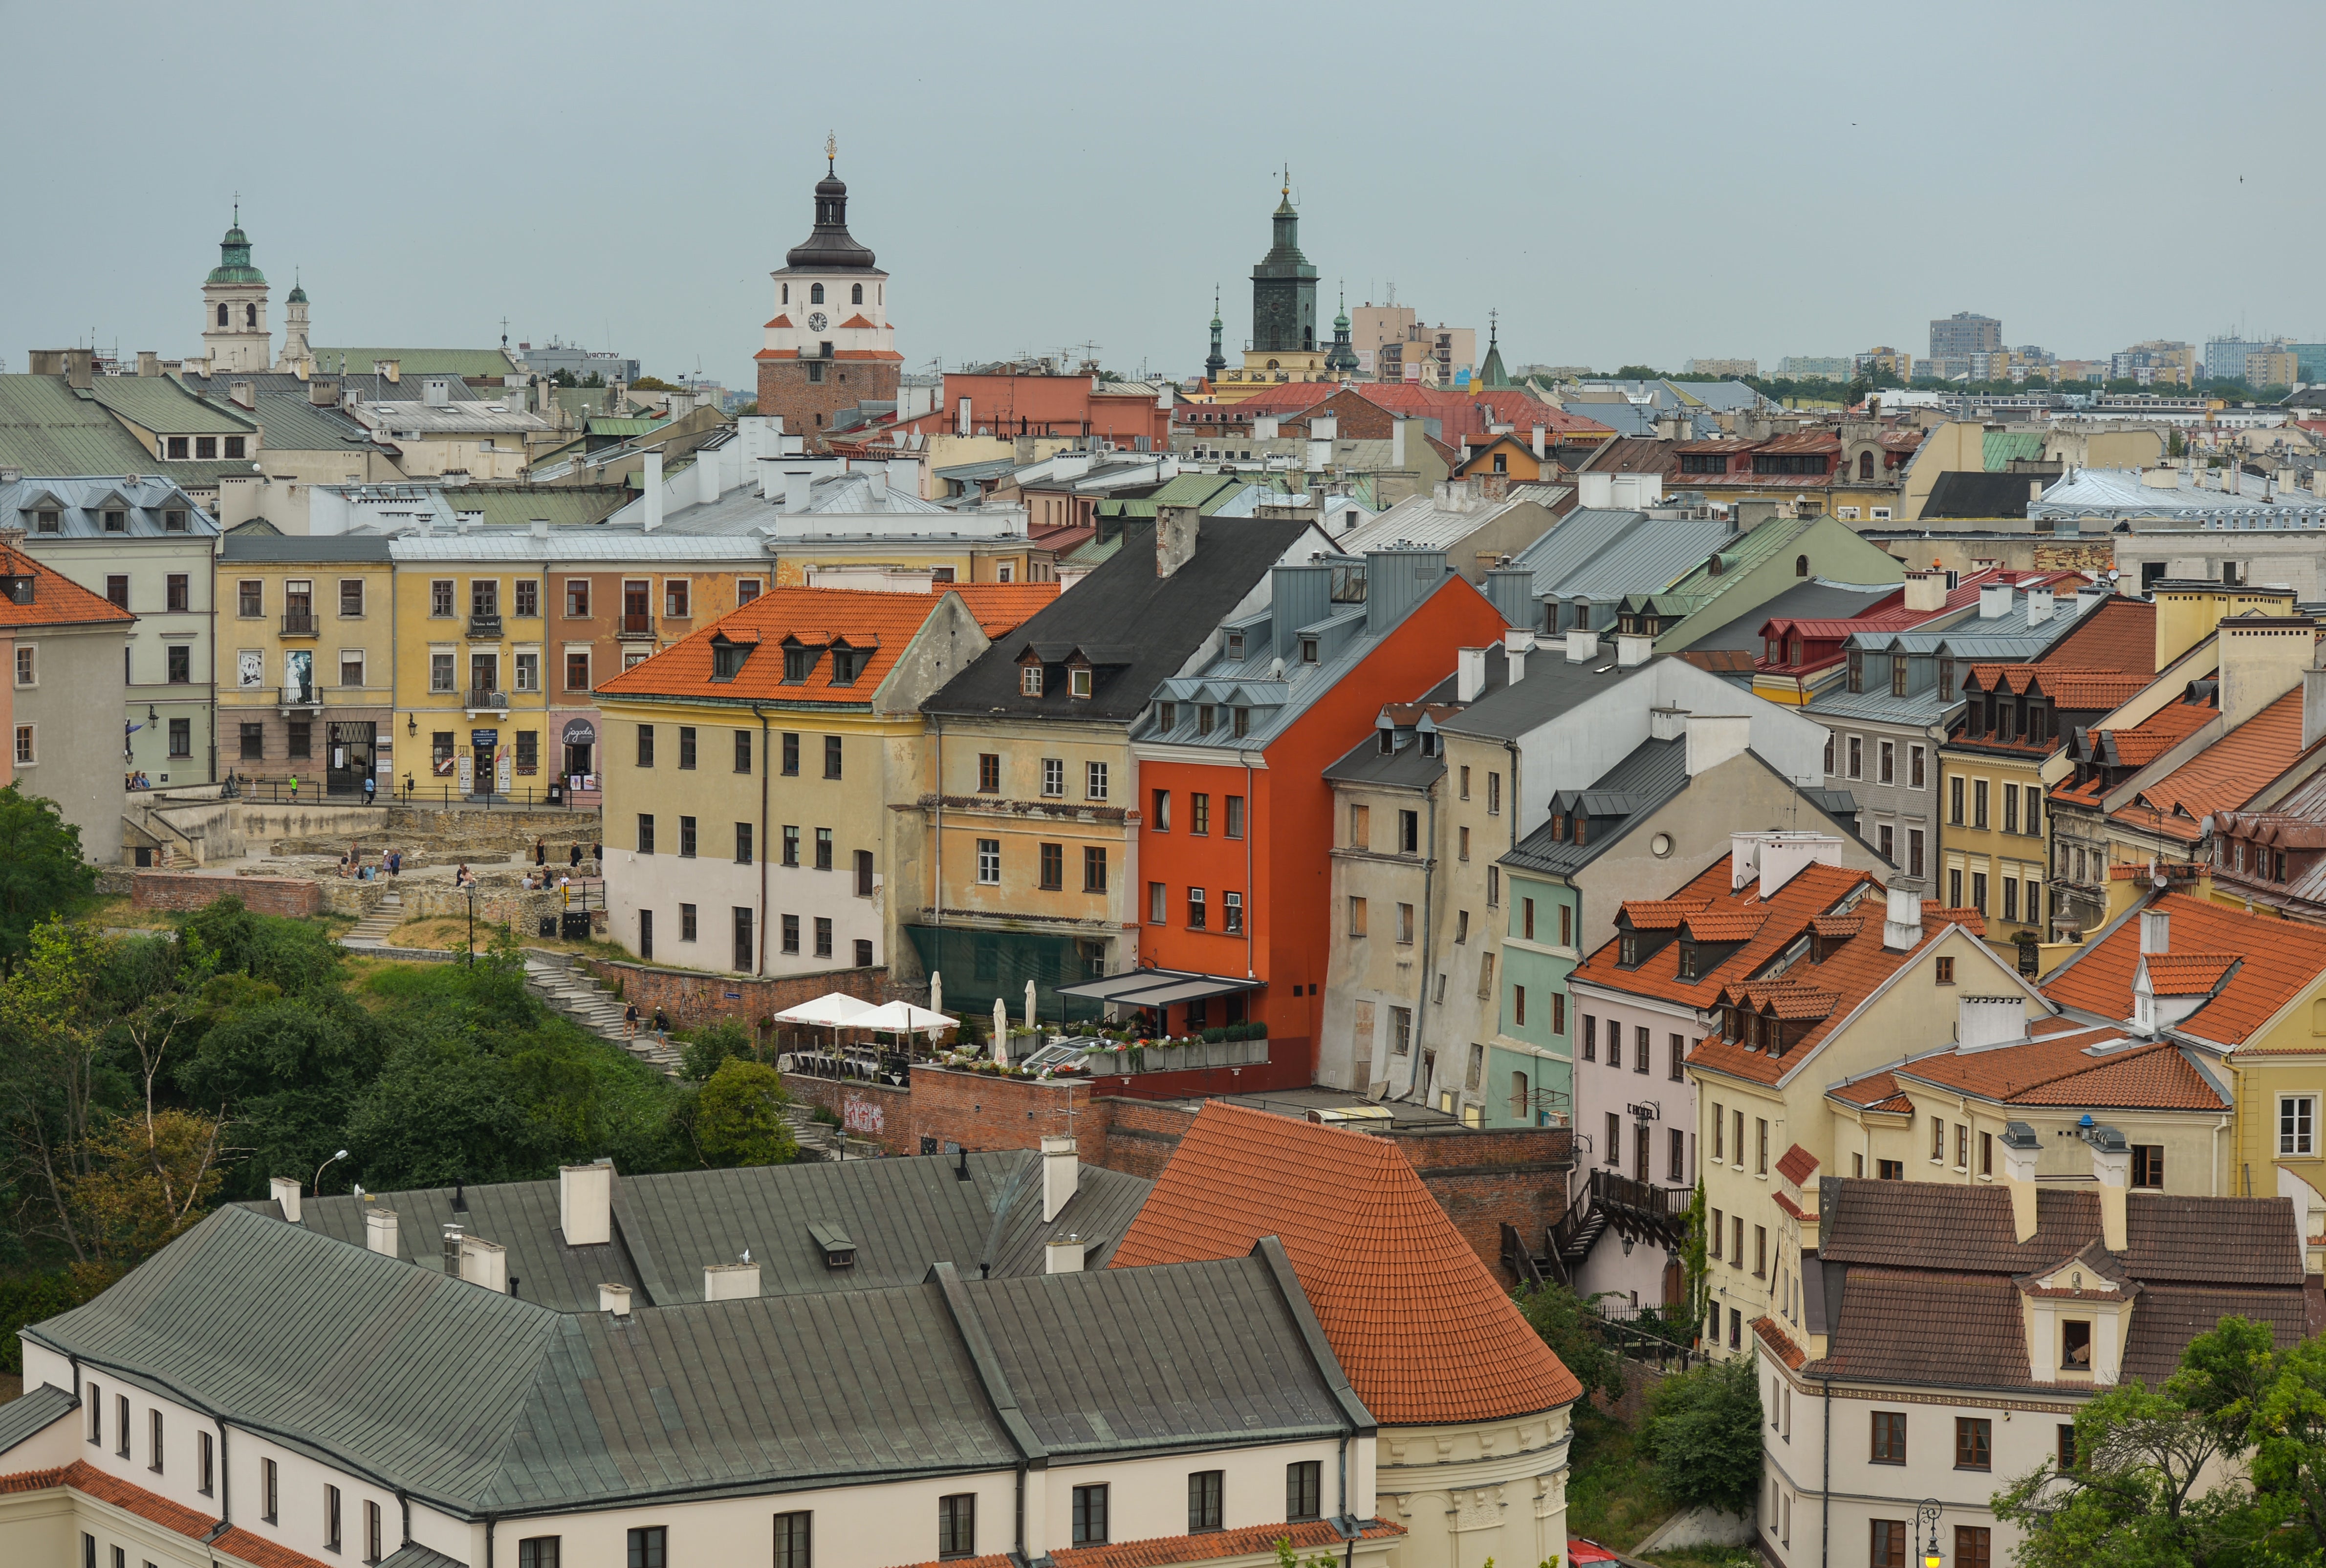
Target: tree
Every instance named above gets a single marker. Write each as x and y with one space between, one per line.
738 1119
1638 373
713 1043
1695 1273
289 1073
42 872
54 1078
1703 1431
654 383
2131 1496
1571 1329
149 1179
442 1113
2288 1431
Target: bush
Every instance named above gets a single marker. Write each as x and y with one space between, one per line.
1703 1431
708 1045
1571 1329
738 1119
1213 1036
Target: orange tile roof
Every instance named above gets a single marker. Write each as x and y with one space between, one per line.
1252 1540
1781 1344
885 622
1838 926
57 599
1661 914
2157 1078
2283 960
2223 776
1797 1164
177 1518
1875 1091
1382 1265
2117 634
2055 1070
2076 688
2187 974
2159 732
1725 925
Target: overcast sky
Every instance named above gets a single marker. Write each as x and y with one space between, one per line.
1625 182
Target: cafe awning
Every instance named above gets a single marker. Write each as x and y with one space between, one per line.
1157 988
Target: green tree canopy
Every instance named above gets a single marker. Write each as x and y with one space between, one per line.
1571 1329
42 872
739 1117
1703 1431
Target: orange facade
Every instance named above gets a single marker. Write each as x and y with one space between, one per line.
1279 866
1053 405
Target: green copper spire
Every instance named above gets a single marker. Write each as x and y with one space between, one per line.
234 255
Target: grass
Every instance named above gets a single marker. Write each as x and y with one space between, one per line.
111 913
450 933
1612 1495
1706 1557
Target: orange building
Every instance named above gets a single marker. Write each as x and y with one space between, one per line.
1004 406
1234 849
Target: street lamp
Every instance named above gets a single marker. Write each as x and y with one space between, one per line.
326 1165
1926 1513
472 925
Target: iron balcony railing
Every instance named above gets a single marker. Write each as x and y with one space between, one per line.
299 623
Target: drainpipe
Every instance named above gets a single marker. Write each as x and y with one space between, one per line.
2217 1155
213 701
1825 1499
489 1541
225 1477
403 1506
1018 1525
767 766
1512 748
938 725
1250 903
1429 931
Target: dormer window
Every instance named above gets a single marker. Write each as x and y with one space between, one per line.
1167 716
116 522
1078 682
1627 950
1387 740
1559 830
1714 566
1235 644
1029 680
847 663
1686 958
1857 670
727 659
2075 1346
1307 650
1205 712
799 662
1430 743
174 521
47 521
1897 674
1239 722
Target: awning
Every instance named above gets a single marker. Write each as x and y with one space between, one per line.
1157 988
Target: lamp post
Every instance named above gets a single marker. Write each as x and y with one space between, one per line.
472 925
326 1165
1926 1514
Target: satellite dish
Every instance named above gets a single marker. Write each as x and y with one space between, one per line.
2156 880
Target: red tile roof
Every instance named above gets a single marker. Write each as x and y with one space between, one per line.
2117 634
1875 1091
884 622
1162 1550
2283 960
2073 687
1383 1267
87 1479
1725 925
57 600
2187 974
2223 776
1661 914
1781 1344
1797 1164
2055 1070
2159 732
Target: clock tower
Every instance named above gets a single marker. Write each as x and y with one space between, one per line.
830 345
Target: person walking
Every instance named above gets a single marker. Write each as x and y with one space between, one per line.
396 862
370 787
540 852
662 1023
294 789
630 1020
575 859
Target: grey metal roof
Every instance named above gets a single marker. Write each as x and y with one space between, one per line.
1407 767
501 545
295 424
33 1414
412 1555
2114 493
80 502
1815 600
1651 774
360 379
480 1403
1617 554
1551 687
1426 521
239 546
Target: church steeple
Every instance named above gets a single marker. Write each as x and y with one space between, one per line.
1340 359
1491 372
1284 287
1217 362
234 333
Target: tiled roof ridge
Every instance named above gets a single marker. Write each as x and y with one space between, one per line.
1162 1550
234 1541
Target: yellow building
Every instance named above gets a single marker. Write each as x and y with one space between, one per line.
306 648
753 773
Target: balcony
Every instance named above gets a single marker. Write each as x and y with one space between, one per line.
486 627
299 698
487 702
637 624
299 623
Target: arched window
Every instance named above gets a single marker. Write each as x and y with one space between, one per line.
787 294
815 293
856 294
1800 566
222 316
1865 465
250 316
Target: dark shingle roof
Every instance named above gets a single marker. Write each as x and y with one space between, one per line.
1964 494
1168 619
412 1555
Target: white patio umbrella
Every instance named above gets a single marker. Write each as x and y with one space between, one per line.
1001 1033
937 990
1030 1005
834 1010
902 1018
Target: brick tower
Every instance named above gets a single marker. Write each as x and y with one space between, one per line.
830 345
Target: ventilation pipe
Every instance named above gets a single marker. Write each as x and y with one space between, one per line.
614 1299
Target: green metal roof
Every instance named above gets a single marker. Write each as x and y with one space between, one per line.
161 403
45 429
608 424
2000 448
39 1408
1207 493
234 260
294 424
422 361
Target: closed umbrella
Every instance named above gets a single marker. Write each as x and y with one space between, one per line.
1030 1005
937 990
1001 1033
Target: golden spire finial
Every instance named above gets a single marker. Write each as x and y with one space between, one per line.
831 151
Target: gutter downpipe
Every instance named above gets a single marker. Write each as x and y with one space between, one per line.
938 724
490 1522
1825 1499
403 1506
767 766
1349 1554
1250 903
1428 932
225 1476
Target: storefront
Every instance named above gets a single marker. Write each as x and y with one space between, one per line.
579 775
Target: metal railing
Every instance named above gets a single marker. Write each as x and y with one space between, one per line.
299 696
404 792
299 623
498 700
485 625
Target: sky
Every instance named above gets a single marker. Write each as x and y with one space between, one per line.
1628 183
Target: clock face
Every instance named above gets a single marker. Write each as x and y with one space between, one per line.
817 321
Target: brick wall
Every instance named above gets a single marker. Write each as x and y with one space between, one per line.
1135 1136
879 1113
1486 1180
807 407
691 997
260 895
973 1109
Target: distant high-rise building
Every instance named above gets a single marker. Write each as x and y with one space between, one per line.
1734 368
549 358
2225 357
2309 361
1884 360
1963 334
1814 368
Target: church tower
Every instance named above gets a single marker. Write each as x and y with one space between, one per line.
1492 374
1341 358
830 345
1284 289
1216 362
234 333
295 351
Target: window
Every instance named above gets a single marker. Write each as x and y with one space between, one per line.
746 949
1356 915
832 757
1914 851
743 845
528 671
2075 1346
791 933
687 745
2297 1124
1856 770
1889 1548
1493 794
1400 1030
250 597
686 837
791 844
1360 827
1974 1439
1946 971
1029 680
1678 1059
1405 924
650 1547
1955 799
1466 781
181 663
2010 810
863 863
823 848
743 751
2034 793
1408 832
1205 713
1078 682
1095 781
1978 792
181 738
988 862
675 597
956 1521
1199 812
270 1494
205 1463
646 833
1194 909
1304 1490
1160 818
1205 1490
1760 1252
117 590
1157 910
330 1519
539 1552
1979 891
1054 775
1886 759
351 667
823 937
1890 1170
1972 1544
27 751
577 671
1090 1516
646 745
1094 868
791 755
1612 1154
1676 1165
440 598
2148 1164
528 599
1053 866
1232 905
1889 1437
686 922
577 598
1590 1038
1235 816
746 588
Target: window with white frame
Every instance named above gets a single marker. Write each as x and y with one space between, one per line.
1095 781
28 665
1054 776
28 751
2297 1124
989 862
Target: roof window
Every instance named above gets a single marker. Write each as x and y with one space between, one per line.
799 661
838 1251
727 659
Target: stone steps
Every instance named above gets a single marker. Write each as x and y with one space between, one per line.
372 930
581 996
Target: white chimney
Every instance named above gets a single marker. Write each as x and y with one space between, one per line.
1594 492
1901 923
1776 857
2112 1169
436 392
729 1281
706 478
876 485
585 1202
1994 601
1538 444
1667 723
1263 427
1714 737
652 485
2021 1150
796 486
1981 1021
2041 603
1175 531
380 1230
1061 1172
1063 1256
485 1262
2155 932
538 528
614 1299
1517 642
2313 700
1926 591
1469 674
284 1190
1582 646
1633 649
1324 427
1397 442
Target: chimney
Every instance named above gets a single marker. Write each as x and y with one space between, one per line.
1263 427
2112 1169
1397 440
798 484
1511 590
1061 1172
149 362
614 1299
2155 932
1779 856
1667 724
1994 601
285 1191
436 392
585 1204
1633 649
2313 705
1714 737
388 370
1594 492
1175 528
1981 1021
1469 674
1397 580
45 361
729 1281
322 394
2041 603
706 478
537 529
242 395
485 1262
650 483
1926 591
380 1230
1538 444
1582 646
2021 1150
2261 658
1063 1256
452 1248
1902 922
1516 645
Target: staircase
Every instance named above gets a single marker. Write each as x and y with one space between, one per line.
818 1140
372 930
581 996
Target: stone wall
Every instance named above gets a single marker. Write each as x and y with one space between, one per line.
689 998
260 895
1486 1180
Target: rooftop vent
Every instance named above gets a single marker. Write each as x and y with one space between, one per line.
838 1251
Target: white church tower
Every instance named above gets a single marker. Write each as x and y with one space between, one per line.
295 353
234 333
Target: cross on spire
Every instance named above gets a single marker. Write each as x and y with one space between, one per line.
237 210
830 152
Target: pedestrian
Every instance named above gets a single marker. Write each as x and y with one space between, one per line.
371 788
575 859
460 874
597 852
294 789
630 1020
540 852
396 862
662 1023
343 862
